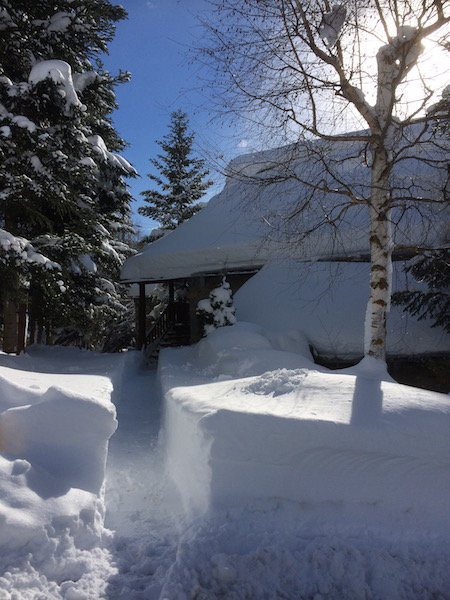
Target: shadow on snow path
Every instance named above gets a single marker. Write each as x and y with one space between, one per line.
141 506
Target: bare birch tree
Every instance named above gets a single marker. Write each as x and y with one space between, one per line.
302 65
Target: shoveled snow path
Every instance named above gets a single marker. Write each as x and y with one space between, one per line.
141 507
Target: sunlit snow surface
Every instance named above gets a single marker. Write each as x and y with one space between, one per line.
270 478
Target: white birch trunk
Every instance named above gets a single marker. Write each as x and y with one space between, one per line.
381 243
380 257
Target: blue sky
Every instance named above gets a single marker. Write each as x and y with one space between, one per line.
155 44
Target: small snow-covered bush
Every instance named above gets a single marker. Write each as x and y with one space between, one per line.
217 310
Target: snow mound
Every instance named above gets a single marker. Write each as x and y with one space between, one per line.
245 349
237 433
300 482
53 447
63 433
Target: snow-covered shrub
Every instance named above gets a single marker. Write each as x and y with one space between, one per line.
217 310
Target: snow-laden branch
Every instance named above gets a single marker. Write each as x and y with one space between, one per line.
21 250
60 73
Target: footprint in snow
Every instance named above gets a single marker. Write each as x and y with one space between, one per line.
277 383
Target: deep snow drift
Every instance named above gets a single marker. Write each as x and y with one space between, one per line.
327 303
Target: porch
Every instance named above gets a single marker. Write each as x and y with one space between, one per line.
177 323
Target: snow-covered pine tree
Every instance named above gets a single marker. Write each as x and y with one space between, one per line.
181 179
217 310
62 184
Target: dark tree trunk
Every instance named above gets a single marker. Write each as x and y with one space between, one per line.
21 327
10 326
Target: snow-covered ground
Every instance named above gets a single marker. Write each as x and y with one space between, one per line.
255 475
302 482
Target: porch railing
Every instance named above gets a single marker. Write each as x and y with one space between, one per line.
173 314
160 327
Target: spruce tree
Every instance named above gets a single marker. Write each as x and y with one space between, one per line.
431 268
63 187
181 179
217 310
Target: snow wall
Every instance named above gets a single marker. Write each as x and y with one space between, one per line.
56 417
249 421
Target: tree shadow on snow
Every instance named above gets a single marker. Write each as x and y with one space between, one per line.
367 403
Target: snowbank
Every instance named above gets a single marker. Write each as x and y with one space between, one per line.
300 482
56 417
327 302
247 422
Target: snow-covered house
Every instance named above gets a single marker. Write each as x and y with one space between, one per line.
291 203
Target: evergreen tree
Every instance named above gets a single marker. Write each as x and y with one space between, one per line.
433 269
217 310
440 112
181 180
63 186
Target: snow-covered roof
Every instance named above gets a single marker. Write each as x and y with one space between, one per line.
245 224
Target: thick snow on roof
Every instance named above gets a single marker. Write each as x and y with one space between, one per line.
273 202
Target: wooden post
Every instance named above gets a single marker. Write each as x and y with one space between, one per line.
171 300
31 329
34 311
140 329
10 327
